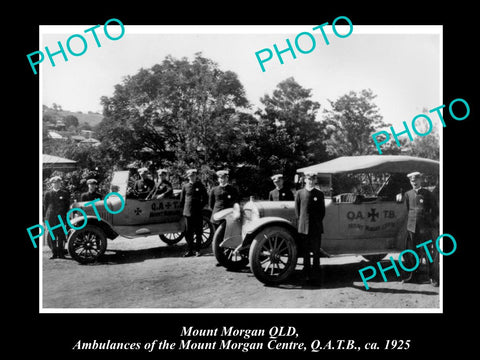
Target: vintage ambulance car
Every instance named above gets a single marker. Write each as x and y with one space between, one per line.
263 233
139 218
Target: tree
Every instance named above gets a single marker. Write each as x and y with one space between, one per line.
287 135
56 107
187 112
350 122
426 147
48 118
70 120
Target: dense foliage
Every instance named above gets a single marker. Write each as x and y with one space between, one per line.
180 114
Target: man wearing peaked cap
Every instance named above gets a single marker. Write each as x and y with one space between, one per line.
92 192
189 172
422 210
164 187
222 196
279 193
222 173
415 174
55 179
193 198
56 202
144 185
310 211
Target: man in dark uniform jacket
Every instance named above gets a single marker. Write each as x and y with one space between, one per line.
193 198
56 202
164 187
92 192
223 196
422 211
310 211
279 193
145 185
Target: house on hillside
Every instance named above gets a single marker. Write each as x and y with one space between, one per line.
55 136
77 138
87 134
90 142
53 163
60 125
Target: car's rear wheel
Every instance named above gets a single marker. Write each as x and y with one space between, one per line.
273 255
87 245
172 238
225 256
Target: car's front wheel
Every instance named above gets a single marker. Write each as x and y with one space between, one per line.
87 245
227 257
273 255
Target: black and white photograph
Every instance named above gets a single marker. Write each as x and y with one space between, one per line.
247 185
191 106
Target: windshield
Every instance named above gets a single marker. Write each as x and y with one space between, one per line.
119 182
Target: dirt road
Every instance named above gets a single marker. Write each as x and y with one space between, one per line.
147 274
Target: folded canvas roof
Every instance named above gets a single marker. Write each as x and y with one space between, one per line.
375 163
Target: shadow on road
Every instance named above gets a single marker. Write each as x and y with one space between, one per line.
112 257
346 275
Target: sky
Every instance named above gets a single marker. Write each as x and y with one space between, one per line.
402 65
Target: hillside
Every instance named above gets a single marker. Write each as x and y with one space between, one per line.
90 118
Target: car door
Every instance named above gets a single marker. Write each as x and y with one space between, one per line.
370 226
156 211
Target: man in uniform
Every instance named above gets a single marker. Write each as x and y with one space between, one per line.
145 185
56 202
223 196
92 192
310 211
279 193
422 211
193 198
164 187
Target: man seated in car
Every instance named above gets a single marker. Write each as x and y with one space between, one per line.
164 187
145 185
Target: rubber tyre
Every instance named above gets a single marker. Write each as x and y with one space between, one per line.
87 245
269 246
225 256
172 238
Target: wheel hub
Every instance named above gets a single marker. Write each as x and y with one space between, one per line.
275 256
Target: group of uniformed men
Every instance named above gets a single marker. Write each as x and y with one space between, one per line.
56 202
421 205
193 199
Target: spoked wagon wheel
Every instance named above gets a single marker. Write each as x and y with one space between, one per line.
226 256
87 245
207 234
172 238
273 255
